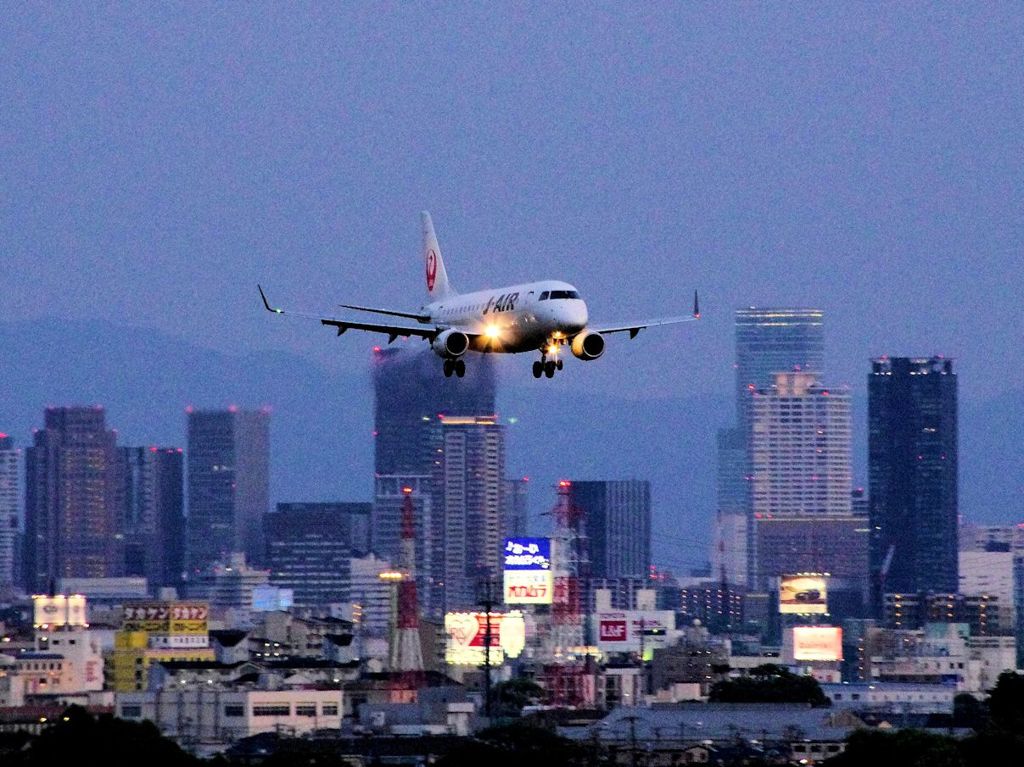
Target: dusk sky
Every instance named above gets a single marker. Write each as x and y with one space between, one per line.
158 160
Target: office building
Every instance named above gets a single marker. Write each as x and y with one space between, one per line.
768 341
10 502
775 340
515 508
912 471
153 514
310 547
616 519
72 499
228 485
990 574
408 397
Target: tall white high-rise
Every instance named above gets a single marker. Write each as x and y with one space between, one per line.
9 501
470 468
801 479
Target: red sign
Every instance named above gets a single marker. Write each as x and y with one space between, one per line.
612 631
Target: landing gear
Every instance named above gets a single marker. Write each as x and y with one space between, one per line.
546 367
458 367
538 369
559 364
549 368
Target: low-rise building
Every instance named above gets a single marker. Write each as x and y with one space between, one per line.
203 718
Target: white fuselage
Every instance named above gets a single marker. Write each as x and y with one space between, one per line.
518 318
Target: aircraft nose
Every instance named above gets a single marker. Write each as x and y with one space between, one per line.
577 312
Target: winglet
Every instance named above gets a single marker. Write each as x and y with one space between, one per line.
696 306
266 303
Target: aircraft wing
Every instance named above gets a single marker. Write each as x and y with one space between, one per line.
393 330
635 327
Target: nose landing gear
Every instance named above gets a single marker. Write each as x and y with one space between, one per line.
458 367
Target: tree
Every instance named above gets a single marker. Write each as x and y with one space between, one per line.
516 745
906 748
100 740
769 684
970 712
510 697
1006 703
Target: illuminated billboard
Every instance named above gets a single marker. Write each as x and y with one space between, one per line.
165 617
804 594
528 577
817 643
467 637
58 610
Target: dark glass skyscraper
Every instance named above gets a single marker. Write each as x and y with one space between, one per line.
73 501
617 522
153 522
912 472
228 485
409 394
310 548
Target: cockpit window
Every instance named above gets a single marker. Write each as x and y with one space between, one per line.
564 294
543 296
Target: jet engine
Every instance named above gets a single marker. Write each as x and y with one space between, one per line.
450 344
588 345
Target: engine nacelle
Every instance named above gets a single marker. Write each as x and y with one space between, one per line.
588 345
450 344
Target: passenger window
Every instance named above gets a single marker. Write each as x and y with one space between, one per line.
543 296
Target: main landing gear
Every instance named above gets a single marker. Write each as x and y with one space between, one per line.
546 367
455 366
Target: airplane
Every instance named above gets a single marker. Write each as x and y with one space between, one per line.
545 316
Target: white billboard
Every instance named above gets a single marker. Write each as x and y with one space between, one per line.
528 576
622 630
804 594
58 610
817 643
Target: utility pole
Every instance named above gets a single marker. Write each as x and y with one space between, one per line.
487 602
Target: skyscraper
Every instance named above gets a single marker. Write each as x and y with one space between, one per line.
801 467
515 507
617 521
412 407
10 498
228 485
470 475
768 341
912 473
310 547
775 340
153 516
73 501
409 394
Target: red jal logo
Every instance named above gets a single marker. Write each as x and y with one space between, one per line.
431 269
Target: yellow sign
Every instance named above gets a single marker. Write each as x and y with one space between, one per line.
166 617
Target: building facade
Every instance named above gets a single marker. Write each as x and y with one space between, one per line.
153 521
912 470
228 485
72 499
616 518
310 548
10 503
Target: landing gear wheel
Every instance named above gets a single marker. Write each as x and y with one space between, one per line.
460 368
538 368
549 368
560 364
448 368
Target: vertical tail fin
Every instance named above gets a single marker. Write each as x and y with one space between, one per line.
437 277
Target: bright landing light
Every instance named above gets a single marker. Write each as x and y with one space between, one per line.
493 332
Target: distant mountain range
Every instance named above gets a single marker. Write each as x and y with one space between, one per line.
321 428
